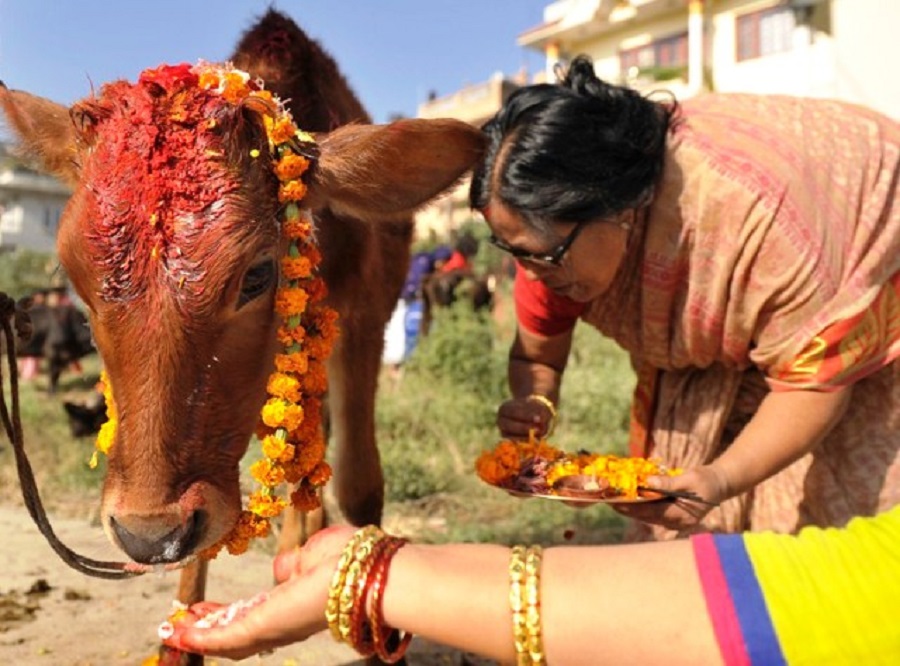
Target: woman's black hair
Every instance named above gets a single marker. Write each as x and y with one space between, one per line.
578 150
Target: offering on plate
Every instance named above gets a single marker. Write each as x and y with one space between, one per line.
538 468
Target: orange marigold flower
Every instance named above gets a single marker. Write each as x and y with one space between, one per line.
296 363
305 498
318 348
234 87
321 474
296 268
499 466
289 336
276 448
315 380
284 386
290 301
280 129
291 167
308 454
267 473
294 190
317 290
297 229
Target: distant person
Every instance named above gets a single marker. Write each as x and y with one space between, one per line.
465 249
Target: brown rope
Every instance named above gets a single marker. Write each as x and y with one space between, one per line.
13 315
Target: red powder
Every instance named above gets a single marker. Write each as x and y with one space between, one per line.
156 171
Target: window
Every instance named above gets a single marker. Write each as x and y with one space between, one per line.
669 54
51 219
764 32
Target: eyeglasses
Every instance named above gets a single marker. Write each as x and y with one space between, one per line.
552 258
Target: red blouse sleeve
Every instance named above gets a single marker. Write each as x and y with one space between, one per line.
542 312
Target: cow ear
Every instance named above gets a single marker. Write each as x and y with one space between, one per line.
391 170
46 133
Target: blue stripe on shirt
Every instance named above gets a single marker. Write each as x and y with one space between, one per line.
760 639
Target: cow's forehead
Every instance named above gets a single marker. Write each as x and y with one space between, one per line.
159 182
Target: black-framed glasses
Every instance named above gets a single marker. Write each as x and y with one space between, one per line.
551 258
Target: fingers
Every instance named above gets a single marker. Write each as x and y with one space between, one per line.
517 418
248 627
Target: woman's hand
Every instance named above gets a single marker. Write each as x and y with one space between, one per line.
292 611
516 418
707 482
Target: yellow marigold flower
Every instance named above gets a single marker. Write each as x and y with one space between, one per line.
290 301
294 190
277 413
267 473
265 95
266 506
291 167
208 80
296 268
284 386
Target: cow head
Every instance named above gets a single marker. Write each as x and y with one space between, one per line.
171 238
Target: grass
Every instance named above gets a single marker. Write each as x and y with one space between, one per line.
433 420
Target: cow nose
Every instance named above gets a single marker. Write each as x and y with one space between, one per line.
172 546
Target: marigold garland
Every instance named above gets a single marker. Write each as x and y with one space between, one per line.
290 428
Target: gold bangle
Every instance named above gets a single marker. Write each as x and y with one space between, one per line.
548 403
517 604
338 579
349 593
533 606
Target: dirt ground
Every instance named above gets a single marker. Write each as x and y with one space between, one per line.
52 615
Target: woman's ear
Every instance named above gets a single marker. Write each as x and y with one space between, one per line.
391 170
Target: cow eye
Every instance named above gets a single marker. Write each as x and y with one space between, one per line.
257 281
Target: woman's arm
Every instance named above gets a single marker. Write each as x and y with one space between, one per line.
602 604
536 365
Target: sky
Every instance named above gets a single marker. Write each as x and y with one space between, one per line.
392 52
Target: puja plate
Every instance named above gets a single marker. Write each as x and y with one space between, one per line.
581 490
587 498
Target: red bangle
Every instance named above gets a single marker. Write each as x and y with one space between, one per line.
384 637
361 635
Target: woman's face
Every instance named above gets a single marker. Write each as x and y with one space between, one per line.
587 255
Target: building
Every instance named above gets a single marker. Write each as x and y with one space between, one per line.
817 48
31 204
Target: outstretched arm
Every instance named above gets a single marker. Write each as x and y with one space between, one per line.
604 604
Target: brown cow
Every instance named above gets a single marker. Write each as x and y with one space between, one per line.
189 366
